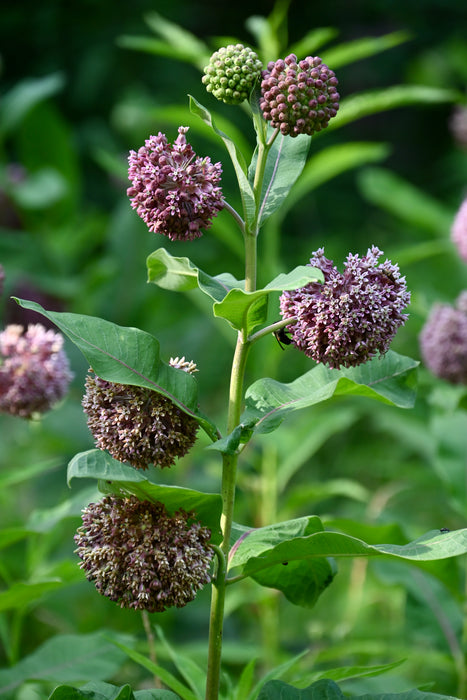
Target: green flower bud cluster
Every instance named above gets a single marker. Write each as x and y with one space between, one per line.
232 73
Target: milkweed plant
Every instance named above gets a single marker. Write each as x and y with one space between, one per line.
149 546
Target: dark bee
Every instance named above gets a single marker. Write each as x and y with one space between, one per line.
282 338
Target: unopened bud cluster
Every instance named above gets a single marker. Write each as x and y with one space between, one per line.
34 370
353 315
137 425
232 72
140 556
443 341
299 97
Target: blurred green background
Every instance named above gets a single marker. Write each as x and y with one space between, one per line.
77 94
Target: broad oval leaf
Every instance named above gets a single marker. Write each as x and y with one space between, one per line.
120 479
329 690
390 379
181 275
127 356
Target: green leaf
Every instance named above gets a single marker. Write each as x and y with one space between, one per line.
93 691
24 96
356 50
264 548
67 658
238 161
301 581
246 310
313 40
284 164
390 379
193 674
181 275
166 677
179 39
11 535
127 356
117 478
328 690
20 595
39 190
413 206
372 102
330 162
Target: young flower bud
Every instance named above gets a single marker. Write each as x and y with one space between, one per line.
175 192
353 315
299 97
34 370
140 556
137 425
232 73
459 230
443 341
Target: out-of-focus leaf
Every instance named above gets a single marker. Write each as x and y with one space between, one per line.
24 96
419 210
67 658
39 190
312 41
365 103
20 595
351 51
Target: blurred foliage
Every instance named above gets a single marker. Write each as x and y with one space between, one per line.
81 84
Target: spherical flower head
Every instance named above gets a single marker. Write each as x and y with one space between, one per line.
232 72
175 192
299 97
34 370
459 230
443 341
140 556
137 425
353 315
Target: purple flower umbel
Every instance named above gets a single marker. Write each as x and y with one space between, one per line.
353 315
34 370
140 556
443 341
175 192
137 425
459 230
299 97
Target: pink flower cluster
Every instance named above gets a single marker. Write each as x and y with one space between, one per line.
34 370
175 192
443 341
353 315
459 230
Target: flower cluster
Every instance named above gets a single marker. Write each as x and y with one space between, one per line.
175 192
299 97
443 341
137 425
140 556
231 73
458 125
34 370
353 315
459 230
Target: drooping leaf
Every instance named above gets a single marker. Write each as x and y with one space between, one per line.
20 594
117 478
127 356
24 96
67 658
238 160
301 581
390 379
258 550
